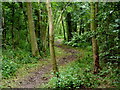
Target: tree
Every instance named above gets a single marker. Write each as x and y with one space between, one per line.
0 28
94 41
3 26
51 37
43 28
63 29
34 46
12 30
69 26
0 40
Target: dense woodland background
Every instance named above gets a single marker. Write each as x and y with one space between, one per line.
30 30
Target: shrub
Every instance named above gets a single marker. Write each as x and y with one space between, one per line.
8 67
12 60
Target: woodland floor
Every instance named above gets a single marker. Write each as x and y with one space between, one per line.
37 77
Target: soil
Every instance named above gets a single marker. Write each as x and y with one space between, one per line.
38 77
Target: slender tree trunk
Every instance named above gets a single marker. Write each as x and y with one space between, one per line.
1 42
48 45
12 30
4 28
44 31
34 46
69 27
38 28
94 41
51 37
80 27
63 29
0 36
37 23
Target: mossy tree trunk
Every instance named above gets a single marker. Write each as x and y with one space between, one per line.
34 46
94 41
51 38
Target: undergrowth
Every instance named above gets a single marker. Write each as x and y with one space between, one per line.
79 74
12 60
15 70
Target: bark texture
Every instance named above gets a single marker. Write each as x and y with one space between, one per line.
34 46
51 37
94 41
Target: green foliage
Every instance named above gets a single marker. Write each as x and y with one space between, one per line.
110 74
59 37
80 40
12 60
8 67
16 37
107 33
79 74
74 76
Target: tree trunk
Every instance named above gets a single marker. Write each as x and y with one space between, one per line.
4 29
0 35
51 38
44 31
1 42
69 27
63 29
82 28
34 46
12 30
94 41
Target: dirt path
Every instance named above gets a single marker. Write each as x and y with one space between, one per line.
38 77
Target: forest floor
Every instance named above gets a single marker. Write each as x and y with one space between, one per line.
37 77
69 59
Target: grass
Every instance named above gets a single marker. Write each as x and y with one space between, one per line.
21 73
25 69
79 74
76 74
